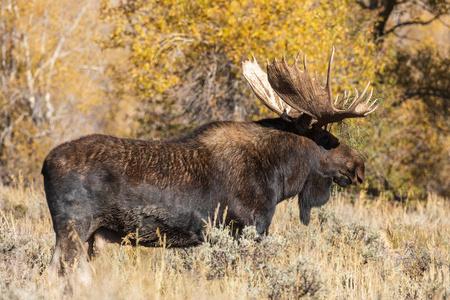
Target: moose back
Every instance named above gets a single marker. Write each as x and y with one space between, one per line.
105 188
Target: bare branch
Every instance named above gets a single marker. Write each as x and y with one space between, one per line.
56 53
8 129
388 8
415 22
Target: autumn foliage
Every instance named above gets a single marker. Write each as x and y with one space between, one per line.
153 69
186 55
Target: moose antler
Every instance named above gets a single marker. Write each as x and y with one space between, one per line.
303 93
257 80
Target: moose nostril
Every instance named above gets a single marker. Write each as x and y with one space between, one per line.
359 179
359 174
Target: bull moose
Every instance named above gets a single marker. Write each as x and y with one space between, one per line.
104 187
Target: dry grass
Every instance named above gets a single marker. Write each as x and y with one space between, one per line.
365 250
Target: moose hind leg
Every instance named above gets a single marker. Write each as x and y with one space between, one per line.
100 238
70 247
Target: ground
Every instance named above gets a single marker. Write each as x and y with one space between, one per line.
354 248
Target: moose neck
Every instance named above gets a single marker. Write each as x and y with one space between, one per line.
310 175
305 166
310 170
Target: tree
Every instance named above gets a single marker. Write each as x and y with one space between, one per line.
411 151
49 77
394 15
186 55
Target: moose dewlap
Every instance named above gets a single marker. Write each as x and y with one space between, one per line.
105 188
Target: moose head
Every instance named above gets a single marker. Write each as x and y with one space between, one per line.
300 100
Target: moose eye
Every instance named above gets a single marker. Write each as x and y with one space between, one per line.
324 141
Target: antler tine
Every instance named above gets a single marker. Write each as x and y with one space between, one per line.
372 104
340 103
348 98
296 58
343 101
359 98
365 89
370 109
304 61
356 96
370 96
336 100
329 76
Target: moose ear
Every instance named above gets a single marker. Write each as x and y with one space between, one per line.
304 123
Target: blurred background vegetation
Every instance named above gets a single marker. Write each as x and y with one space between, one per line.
154 69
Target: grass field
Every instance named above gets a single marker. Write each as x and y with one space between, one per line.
353 249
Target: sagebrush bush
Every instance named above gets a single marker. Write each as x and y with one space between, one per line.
253 258
301 278
359 236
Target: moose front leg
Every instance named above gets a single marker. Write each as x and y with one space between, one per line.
263 222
